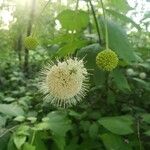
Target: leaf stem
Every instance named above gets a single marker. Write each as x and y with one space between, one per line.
33 137
138 133
96 22
106 27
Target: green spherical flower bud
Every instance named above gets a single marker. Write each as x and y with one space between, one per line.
107 60
30 42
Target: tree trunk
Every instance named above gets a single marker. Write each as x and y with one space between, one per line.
29 30
19 48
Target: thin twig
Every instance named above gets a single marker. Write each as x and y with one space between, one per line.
8 130
106 27
96 22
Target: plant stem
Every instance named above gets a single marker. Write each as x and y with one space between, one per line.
106 27
8 130
77 5
138 133
29 31
33 137
96 22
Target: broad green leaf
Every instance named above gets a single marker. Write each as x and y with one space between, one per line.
68 43
70 47
23 130
19 118
67 38
73 20
28 146
19 141
11 110
89 54
120 125
118 41
2 121
120 80
147 133
58 123
123 18
9 99
114 142
60 141
121 5
11 145
146 118
39 142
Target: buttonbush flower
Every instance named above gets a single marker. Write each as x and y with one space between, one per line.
142 75
30 42
130 72
107 60
64 83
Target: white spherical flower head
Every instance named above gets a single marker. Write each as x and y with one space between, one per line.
130 71
65 83
142 75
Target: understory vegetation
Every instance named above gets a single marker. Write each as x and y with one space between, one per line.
74 75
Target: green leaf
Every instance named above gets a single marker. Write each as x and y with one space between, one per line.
42 126
11 145
19 118
28 146
70 47
32 119
111 97
60 141
147 133
38 141
93 130
23 130
89 54
120 80
9 99
121 5
2 121
73 20
11 110
19 141
123 17
4 140
58 123
144 84
114 142
118 41
120 125
146 118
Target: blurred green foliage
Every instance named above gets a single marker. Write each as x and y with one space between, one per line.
113 116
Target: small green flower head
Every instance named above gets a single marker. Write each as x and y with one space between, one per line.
107 60
30 42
